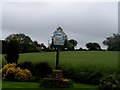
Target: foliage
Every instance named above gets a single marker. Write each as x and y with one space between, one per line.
12 54
43 47
27 65
93 46
110 82
13 73
4 45
25 42
0 46
73 42
86 75
42 69
113 42
38 70
22 75
69 45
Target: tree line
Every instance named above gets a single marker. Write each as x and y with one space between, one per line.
25 44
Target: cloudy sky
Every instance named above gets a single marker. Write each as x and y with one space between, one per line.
82 21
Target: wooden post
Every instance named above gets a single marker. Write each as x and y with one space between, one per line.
57 57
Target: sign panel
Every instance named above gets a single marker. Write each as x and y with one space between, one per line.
59 37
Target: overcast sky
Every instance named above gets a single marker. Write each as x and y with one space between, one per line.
82 21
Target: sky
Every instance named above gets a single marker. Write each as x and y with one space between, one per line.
83 21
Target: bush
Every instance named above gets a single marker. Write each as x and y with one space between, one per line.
8 71
12 53
42 69
88 76
13 73
23 75
110 82
27 65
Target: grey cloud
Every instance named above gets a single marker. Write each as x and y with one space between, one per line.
83 21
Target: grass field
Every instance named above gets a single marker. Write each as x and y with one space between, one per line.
7 84
105 61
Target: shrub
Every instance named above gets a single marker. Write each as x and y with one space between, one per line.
42 69
27 65
13 73
12 53
8 68
110 82
23 75
88 76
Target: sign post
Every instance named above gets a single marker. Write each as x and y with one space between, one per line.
58 40
57 58
57 80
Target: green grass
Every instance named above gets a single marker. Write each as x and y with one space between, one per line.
8 84
106 61
103 61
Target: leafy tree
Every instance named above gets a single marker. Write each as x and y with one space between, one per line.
93 46
70 44
44 48
37 44
12 52
25 42
73 42
39 48
113 42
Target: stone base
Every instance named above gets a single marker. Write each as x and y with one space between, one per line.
56 83
56 80
57 74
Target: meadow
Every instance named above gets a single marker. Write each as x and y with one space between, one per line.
105 62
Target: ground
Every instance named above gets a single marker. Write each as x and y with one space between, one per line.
104 61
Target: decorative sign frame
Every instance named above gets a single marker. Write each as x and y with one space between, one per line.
59 37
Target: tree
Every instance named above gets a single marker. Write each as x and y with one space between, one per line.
113 42
93 46
44 48
70 45
39 48
37 44
4 45
12 52
73 42
25 42
0 46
